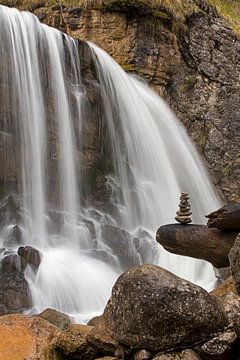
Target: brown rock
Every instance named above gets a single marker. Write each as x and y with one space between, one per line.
229 298
183 355
31 255
234 260
95 320
24 337
153 309
108 358
72 342
197 241
222 347
102 339
60 320
183 215
225 218
142 355
226 287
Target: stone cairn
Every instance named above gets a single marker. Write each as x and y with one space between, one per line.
183 215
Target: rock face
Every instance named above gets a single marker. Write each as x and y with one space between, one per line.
153 309
234 259
194 63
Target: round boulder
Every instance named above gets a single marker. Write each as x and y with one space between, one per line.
151 308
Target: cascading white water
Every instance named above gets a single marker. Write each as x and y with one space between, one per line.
153 161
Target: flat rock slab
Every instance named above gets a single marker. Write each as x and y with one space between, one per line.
197 241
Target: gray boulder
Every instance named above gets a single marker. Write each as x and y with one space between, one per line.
151 308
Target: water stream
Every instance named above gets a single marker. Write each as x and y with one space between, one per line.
44 112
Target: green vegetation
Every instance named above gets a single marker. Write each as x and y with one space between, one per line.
190 81
227 170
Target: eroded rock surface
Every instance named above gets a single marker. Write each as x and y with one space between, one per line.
25 337
153 309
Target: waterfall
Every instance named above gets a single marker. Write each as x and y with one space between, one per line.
64 113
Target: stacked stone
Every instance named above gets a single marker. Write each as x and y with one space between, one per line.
183 215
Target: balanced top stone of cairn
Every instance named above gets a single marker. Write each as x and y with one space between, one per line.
183 215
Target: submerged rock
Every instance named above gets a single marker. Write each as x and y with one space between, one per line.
122 245
14 237
152 308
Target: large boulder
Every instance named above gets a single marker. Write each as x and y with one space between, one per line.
25 337
151 308
197 241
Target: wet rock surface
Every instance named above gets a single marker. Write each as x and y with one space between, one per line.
200 79
152 308
122 245
14 289
30 255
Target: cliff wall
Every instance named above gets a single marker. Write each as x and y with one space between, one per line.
192 59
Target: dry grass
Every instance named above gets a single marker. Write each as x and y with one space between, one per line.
176 9
230 10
